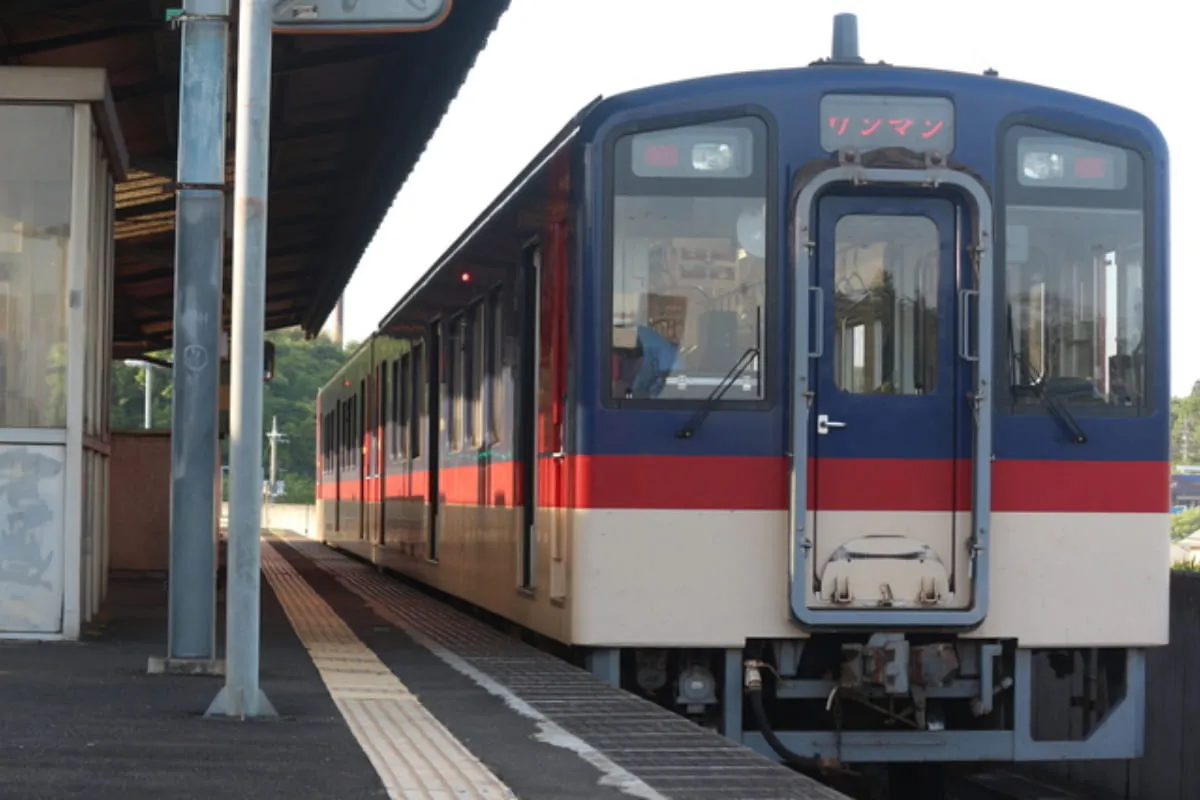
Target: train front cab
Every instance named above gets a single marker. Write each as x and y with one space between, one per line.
973 410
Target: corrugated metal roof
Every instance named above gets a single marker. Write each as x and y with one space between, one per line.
351 116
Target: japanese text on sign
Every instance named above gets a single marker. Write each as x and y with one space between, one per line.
870 122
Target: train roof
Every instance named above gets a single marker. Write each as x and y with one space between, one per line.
882 77
488 257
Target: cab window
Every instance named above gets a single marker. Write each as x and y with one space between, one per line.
1075 273
687 288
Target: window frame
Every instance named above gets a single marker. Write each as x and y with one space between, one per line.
494 370
1008 191
765 157
419 398
475 374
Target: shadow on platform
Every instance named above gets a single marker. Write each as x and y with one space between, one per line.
84 720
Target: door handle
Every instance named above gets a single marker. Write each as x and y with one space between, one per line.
825 424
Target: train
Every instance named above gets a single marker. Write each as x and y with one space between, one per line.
827 406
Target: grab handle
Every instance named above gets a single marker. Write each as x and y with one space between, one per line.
818 347
964 323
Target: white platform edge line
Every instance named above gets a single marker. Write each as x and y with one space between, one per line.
613 774
384 751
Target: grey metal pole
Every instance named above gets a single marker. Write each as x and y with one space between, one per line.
199 252
148 401
241 696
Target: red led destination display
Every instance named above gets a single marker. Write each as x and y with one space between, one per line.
870 122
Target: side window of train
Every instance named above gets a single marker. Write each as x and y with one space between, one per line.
479 372
495 368
689 271
454 392
1074 315
885 304
401 375
419 381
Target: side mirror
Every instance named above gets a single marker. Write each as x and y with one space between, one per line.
268 361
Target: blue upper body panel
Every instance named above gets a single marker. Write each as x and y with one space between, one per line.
789 100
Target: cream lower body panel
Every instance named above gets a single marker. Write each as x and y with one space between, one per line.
716 578
479 557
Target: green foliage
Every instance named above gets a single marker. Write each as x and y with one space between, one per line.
1185 427
1185 523
127 393
301 368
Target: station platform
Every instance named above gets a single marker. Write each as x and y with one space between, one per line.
382 691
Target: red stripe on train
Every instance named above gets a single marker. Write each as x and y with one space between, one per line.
753 483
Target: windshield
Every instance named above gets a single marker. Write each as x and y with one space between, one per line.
688 279
1075 274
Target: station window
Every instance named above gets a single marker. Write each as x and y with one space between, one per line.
1075 272
885 304
689 262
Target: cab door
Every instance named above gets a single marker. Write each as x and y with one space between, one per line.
888 408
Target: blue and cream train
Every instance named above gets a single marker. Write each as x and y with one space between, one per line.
826 405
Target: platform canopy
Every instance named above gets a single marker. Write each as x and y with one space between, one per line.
351 115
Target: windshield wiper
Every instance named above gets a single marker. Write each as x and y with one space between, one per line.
1054 404
714 397
1059 410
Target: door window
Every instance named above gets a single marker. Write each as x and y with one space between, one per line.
885 304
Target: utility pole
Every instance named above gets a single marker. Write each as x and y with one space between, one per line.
242 696
148 402
338 320
276 437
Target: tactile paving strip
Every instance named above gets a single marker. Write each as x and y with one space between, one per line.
648 751
414 754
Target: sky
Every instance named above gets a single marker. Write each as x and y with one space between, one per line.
548 58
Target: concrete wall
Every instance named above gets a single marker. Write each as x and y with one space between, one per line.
1170 768
301 519
139 501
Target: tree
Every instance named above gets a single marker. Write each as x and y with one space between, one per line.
1185 427
301 368
127 395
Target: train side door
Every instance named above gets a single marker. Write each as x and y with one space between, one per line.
339 427
552 407
889 516
541 419
436 419
373 496
529 288
361 444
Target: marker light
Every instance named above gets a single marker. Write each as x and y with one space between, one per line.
661 155
1042 166
1091 167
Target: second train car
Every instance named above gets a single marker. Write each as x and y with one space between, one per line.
826 405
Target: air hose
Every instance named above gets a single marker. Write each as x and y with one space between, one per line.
813 767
